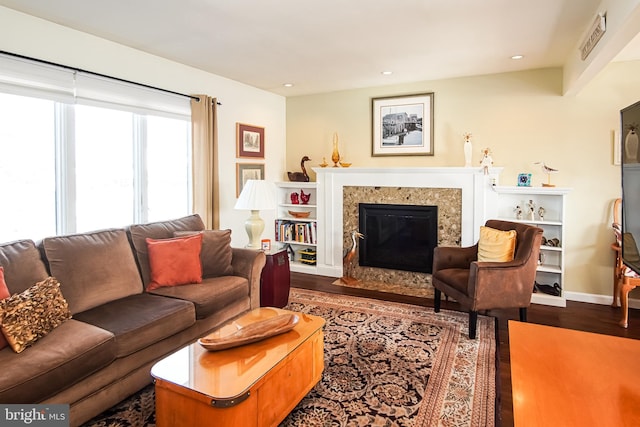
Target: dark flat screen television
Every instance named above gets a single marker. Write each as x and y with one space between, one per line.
630 148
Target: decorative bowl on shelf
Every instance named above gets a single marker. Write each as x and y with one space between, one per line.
304 214
345 164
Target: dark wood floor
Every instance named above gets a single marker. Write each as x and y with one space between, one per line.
595 318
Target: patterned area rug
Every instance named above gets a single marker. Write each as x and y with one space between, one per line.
386 364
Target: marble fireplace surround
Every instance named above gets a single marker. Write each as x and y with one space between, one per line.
474 192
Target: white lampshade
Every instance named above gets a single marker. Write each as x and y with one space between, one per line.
256 195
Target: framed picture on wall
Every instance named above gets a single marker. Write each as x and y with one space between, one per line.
402 125
245 172
249 141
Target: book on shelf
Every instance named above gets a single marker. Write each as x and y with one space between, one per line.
291 231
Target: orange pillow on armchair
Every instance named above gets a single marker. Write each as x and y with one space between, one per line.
174 262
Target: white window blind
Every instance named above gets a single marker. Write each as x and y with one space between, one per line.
30 78
105 92
22 76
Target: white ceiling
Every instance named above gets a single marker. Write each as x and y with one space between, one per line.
329 45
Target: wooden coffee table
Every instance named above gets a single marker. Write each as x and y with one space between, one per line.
256 384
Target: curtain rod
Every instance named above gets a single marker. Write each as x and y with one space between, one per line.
99 75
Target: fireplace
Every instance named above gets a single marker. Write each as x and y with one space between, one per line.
398 237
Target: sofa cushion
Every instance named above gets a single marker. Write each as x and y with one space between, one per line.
138 321
93 268
30 315
158 230
496 245
212 295
71 352
216 252
23 265
4 293
174 261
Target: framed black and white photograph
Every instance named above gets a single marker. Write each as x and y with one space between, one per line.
403 125
245 172
249 141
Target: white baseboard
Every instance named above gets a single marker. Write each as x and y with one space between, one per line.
597 299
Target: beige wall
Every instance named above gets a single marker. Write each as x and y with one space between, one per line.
523 118
25 35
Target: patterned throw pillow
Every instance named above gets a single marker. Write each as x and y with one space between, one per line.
4 293
32 314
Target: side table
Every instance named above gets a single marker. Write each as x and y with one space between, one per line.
275 280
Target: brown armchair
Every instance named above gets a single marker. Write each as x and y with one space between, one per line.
488 285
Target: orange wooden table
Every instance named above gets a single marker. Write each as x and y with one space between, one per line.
255 384
562 377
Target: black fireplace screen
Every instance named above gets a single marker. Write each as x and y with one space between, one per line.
398 237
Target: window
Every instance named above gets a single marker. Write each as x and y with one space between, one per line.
73 165
27 168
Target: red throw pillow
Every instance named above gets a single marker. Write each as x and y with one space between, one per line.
4 293
174 261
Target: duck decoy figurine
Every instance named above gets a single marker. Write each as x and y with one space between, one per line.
347 261
300 176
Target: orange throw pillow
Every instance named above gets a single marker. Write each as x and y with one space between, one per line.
174 261
4 293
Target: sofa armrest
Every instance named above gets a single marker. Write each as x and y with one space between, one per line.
248 263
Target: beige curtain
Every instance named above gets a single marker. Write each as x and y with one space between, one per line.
204 130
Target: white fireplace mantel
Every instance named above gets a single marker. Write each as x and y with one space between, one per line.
474 184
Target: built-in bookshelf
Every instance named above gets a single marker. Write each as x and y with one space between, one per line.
552 221
296 225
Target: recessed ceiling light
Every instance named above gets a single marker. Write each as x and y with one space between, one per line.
288 85
387 73
517 57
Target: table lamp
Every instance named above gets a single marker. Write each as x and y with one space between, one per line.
256 195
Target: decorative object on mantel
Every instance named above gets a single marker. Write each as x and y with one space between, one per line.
468 150
335 154
324 163
524 180
487 160
304 197
547 170
345 164
349 258
300 176
295 200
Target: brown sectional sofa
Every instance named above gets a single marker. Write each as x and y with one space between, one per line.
118 330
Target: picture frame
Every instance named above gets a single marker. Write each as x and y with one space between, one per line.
249 141
402 125
247 171
524 180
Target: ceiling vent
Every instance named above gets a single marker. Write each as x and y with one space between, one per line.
594 35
